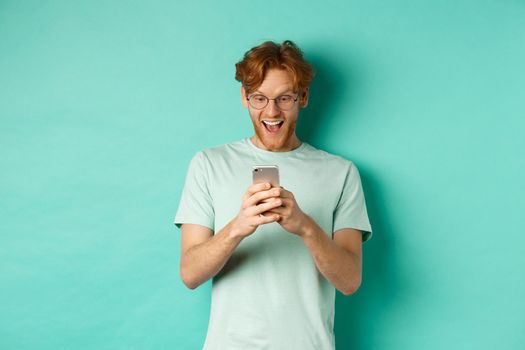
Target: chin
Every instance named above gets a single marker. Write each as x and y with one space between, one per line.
273 143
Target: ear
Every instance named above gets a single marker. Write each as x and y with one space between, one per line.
303 99
243 97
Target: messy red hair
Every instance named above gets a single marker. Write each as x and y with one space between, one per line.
251 70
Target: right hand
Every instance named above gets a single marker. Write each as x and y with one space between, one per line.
250 215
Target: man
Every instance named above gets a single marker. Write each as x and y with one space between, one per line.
277 254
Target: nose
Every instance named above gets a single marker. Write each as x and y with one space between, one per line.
272 109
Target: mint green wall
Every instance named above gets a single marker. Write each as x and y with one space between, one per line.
103 104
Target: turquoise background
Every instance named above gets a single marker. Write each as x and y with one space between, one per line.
103 104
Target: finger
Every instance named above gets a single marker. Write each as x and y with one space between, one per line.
256 188
261 196
261 208
286 202
274 211
274 194
260 220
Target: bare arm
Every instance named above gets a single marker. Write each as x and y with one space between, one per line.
340 259
204 254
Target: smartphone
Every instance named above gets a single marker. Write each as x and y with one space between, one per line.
266 173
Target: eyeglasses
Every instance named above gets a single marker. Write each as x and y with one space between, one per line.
283 102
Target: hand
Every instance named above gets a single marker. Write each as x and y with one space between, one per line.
292 218
250 215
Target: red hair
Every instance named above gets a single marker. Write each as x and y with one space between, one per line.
251 70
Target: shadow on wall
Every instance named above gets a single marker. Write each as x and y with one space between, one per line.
355 315
325 97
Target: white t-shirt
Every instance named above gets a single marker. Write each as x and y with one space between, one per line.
270 294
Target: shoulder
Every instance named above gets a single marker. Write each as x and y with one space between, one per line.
214 153
334 161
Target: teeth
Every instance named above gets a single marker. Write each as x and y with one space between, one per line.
271 123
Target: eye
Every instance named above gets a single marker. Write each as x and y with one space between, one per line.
258 98
285 98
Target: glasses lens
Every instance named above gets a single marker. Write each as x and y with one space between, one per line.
285 102
258 101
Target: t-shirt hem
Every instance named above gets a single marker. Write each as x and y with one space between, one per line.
366 231
179 223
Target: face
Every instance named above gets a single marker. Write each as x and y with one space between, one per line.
281 138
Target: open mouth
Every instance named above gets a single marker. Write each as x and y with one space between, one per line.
273 127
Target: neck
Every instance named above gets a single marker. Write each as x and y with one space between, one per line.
293 143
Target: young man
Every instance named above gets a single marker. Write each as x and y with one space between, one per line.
276 255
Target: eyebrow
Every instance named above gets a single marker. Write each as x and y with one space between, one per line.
286 92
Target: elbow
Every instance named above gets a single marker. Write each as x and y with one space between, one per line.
349 291
352 287
189 284
187 280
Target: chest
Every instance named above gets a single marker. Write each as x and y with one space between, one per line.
316 190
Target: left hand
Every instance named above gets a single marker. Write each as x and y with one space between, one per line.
291 217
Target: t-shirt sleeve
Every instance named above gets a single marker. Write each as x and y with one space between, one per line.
196 204
350 211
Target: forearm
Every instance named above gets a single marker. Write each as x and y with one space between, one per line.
205 260
340 267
